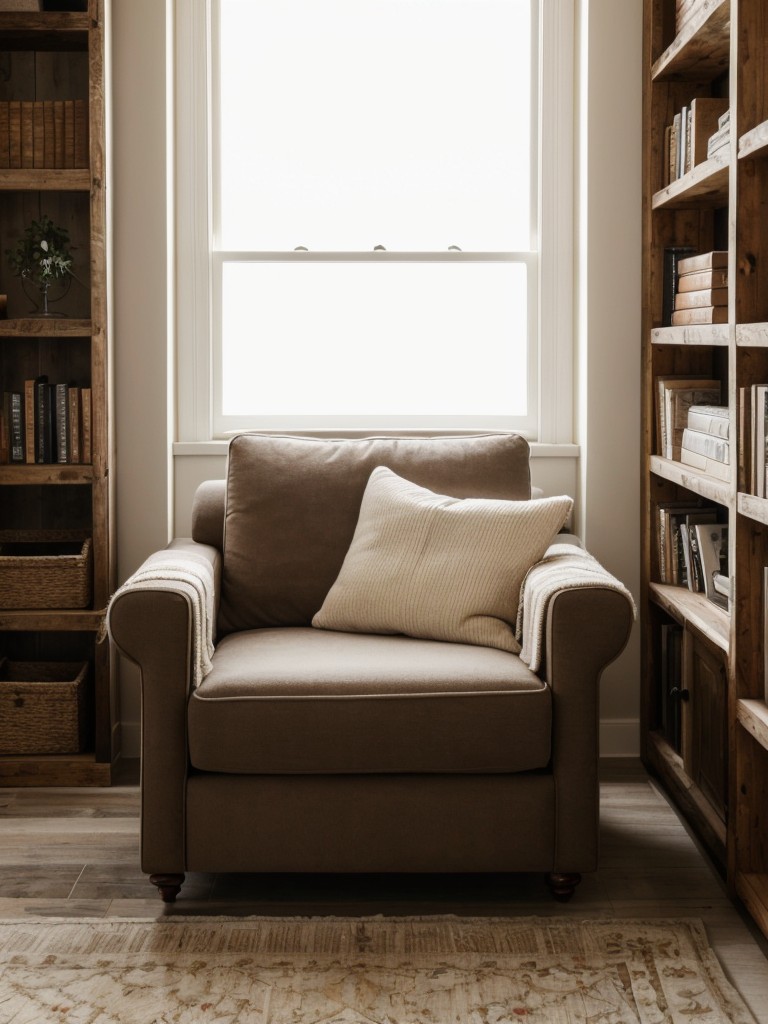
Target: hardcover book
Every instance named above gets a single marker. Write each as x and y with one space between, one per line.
716 278
717 259
719 470
712 419
706 444
712 541
700 315
700 299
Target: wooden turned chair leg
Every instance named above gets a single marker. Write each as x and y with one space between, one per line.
562 886
169 886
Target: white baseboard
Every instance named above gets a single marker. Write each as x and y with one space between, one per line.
619 737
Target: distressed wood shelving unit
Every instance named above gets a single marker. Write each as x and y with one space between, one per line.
61 56
719 776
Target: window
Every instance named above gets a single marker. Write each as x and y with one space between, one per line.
361 214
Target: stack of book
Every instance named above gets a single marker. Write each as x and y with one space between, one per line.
693 549
675 395
720 139
44 133
687 139
702 289
705 443
46 423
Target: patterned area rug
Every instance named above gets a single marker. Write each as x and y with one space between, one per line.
362 971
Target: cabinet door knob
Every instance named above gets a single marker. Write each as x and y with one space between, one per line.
677 694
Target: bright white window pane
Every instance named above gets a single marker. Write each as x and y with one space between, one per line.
374 339
346 124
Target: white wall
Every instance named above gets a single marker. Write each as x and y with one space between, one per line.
608 295
154 489
141 301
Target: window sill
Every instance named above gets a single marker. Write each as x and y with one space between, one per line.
219 447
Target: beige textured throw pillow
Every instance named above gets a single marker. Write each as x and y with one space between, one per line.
439 568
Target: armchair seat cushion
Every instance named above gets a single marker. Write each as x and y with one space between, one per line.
298 700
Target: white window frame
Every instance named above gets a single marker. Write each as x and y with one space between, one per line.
198 268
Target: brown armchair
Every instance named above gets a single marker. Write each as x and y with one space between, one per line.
286 748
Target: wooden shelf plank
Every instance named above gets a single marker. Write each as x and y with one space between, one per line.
752 335
754 143
28 179
45 327
752 889
702 48
695 610
703 334
706 184
53 621
44 31
685 476
54 770
45 473
753 716
753 507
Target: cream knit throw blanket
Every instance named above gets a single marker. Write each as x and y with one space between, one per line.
565 566
192 575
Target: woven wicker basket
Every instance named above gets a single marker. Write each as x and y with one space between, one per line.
42 707
45 569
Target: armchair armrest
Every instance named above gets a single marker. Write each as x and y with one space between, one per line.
188 569
575 618
566 566
153 620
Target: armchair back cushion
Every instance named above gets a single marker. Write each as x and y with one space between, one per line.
292 504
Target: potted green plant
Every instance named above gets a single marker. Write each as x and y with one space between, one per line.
41 258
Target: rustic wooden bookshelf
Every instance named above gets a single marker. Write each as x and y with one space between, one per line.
55 57
715 767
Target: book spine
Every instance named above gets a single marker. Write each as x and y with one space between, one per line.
62 424
718 141
672 257
49 134
81 134
702 315
706 444
29 421
16 428
38 135
58 132
709 423
87 446
715 260
4 440
704 297
674 149
683 145
688 140
720 470
702 279
27 134
69 133
73 400
42 421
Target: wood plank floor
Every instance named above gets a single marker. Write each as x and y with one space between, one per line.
74 852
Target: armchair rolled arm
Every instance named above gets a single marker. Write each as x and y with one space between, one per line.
564 566
575 619
190 570
152 621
